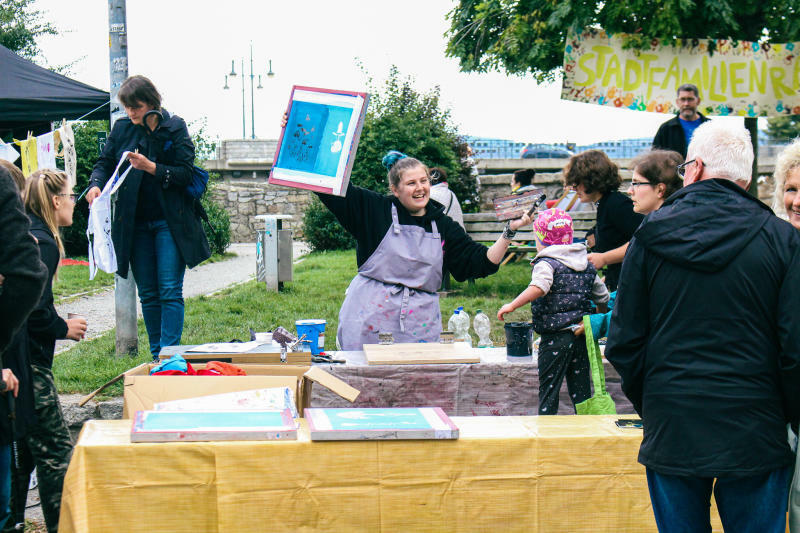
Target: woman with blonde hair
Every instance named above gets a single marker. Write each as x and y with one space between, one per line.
49 202
787 200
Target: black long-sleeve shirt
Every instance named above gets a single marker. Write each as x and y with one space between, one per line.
44 324
367 215
616 223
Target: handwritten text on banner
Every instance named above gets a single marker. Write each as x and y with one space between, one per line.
740 78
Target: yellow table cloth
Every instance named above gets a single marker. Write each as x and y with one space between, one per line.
548 474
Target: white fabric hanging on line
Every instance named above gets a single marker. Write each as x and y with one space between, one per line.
8 152
101 248
46 150
67 138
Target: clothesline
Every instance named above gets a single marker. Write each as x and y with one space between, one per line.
41 151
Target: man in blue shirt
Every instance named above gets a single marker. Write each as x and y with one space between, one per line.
676 133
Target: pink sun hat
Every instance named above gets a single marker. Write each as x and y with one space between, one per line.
553 226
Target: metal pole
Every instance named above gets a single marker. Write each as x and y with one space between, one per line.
124 288
244 131
252 97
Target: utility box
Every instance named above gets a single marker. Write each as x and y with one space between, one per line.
274 252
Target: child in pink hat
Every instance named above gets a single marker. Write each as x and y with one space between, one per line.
562 287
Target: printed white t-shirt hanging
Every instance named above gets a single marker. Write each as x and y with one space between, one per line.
46 151
101 248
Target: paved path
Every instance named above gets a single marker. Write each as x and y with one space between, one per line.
206 279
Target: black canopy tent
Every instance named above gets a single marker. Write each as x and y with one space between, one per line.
31 97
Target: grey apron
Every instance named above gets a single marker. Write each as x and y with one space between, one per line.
395 290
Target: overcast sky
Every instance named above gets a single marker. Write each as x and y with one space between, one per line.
186 48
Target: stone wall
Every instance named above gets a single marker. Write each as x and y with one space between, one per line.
244 199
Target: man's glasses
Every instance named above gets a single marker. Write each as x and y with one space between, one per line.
682 167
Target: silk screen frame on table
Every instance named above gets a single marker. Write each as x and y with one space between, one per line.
317 147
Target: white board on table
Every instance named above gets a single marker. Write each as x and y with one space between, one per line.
394 423
190 426
420 353
254 400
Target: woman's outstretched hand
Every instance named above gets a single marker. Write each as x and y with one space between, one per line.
520 222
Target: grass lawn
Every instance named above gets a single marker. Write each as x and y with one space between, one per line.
317 291
73 280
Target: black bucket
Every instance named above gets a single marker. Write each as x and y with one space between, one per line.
518 338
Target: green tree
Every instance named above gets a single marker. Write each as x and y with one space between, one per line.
219 232
529 36
21 25
87 151
404 119
399 117
783 128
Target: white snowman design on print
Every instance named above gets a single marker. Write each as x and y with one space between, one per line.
336 146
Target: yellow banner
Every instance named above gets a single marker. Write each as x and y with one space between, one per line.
739 78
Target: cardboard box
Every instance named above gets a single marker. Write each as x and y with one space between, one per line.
142 391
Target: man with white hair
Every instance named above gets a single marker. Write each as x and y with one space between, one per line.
705 337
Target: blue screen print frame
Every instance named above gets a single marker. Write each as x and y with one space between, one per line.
317 146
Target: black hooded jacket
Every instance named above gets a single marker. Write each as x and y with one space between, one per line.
704 319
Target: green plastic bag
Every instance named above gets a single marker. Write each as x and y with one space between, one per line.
601 403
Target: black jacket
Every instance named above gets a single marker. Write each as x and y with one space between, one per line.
616 222
705 310
171 148
25 276
367 215
44 324
24 273
670 135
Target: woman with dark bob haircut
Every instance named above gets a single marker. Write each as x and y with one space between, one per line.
596 179
654 180
156 227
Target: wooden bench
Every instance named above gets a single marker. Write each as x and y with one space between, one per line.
485 228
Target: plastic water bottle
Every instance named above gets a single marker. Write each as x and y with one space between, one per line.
465 318
452 323
461 331
482 328
464 313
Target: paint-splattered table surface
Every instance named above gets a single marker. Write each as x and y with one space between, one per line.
357 358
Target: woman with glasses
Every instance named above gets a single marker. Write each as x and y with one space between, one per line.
156 226
596 179
654 179
787 198
49 202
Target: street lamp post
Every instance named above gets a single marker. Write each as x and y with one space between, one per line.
252 92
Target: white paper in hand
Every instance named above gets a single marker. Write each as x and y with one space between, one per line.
101 247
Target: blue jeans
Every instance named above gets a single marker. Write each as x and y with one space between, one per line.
158 269
753 504
5 482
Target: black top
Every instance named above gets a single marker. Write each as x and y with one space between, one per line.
44 324
670 135
616 222
706 308
367 215
25 276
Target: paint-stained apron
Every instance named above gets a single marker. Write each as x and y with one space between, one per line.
395 290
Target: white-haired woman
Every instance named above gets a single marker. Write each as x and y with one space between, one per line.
787 199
